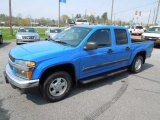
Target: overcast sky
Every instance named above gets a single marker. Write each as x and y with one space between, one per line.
123 9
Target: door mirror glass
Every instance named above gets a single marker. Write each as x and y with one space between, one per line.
91 46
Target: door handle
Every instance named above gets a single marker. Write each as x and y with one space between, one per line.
127 48
110 51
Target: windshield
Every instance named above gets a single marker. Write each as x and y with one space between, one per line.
27 30
72 36
56 31
154 30
139 27
81 20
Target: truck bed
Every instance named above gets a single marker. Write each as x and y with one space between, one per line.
137 40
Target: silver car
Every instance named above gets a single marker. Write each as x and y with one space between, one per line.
51 32
26 35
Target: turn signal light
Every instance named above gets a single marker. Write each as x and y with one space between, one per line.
29 74
31 64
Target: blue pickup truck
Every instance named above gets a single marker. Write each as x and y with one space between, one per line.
78 54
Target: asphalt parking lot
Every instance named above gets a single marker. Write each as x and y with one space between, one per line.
122 97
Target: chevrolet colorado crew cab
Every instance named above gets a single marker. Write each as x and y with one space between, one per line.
78 54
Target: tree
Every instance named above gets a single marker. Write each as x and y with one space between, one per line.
25 22
98 20
10 18
78 16
64 18
104 17
92 19
19 17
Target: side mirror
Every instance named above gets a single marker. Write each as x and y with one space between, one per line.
91 46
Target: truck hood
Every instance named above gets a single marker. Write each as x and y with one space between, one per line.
38 51
151 34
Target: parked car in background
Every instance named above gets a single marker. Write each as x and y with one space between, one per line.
26 35
153 34
136 29
1 38
81 22
70 22
52 32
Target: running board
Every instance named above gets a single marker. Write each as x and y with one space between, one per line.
102 76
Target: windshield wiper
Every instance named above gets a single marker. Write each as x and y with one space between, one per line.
60 41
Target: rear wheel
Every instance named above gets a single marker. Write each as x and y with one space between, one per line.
57 86
137 64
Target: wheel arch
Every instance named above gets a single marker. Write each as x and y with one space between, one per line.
143 54
68 67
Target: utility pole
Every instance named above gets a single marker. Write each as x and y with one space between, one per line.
154 15
85 13
157 13
149 18
112 10
10 18
59 13
72 16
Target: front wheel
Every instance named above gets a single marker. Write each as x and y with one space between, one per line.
137 64
57 86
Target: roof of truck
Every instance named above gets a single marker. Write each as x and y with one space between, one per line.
100 26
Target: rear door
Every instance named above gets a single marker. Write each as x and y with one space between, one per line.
122 48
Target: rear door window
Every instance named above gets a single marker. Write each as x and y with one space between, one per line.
121 36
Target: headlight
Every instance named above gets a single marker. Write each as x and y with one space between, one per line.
25 63
36 37
24 69
18 36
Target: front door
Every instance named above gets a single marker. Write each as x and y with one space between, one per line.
96 61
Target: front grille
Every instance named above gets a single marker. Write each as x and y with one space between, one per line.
27 37
11 58
151 38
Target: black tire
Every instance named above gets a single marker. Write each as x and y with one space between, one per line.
17 43
1 40
46 89
133 66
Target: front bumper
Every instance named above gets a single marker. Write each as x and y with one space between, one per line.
155 40
137 32
17 81
27 41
